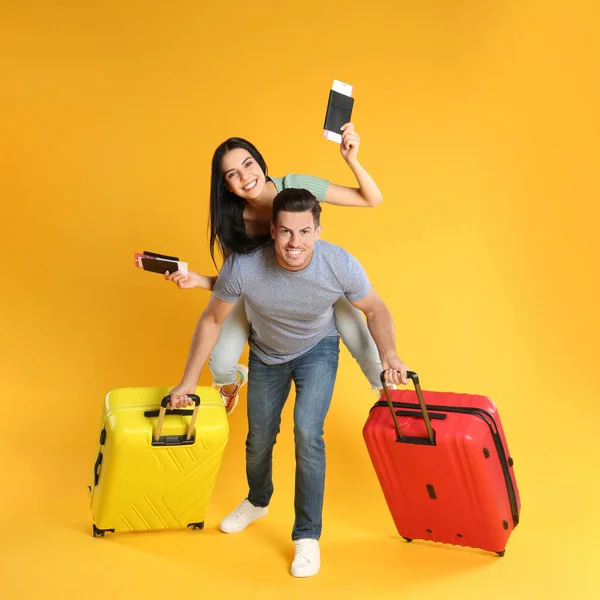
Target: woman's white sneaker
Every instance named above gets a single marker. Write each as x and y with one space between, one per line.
307 559
242 516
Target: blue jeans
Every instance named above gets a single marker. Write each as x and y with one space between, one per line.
314 376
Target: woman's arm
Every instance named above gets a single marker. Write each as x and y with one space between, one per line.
367 194
193 280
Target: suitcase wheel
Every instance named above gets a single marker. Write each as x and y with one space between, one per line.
407 539
501 553
100 532
196 525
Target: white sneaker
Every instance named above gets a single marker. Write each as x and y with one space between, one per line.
307 559
242 516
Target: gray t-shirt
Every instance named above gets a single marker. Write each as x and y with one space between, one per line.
291 311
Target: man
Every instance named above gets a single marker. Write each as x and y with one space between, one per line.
289 289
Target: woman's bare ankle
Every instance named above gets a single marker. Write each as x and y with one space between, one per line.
229 388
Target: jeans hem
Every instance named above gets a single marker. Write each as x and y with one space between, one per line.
257 505
297 538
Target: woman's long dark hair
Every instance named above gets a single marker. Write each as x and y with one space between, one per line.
227 230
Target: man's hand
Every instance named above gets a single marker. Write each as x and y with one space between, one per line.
395 371
179 398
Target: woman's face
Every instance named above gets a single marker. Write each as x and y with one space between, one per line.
242 174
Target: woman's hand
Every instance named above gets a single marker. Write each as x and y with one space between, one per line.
350 143
193 280
367 193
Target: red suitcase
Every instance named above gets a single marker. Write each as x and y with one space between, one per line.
443 464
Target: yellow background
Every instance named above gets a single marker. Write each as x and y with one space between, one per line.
479 122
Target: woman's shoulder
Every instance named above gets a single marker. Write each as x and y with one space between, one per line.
316 185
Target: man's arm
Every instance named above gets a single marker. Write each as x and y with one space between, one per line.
381 326
203 342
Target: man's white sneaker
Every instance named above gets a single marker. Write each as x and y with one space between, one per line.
307 559
242 516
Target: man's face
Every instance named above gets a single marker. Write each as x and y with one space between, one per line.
295 236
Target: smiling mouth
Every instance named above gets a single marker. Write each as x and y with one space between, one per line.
250 186
293 252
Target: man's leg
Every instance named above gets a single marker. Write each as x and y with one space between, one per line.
314 377
268 389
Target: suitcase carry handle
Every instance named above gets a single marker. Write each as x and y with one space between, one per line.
170 411
415 379
415 414
161 417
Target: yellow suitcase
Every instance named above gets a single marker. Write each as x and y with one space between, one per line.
156 468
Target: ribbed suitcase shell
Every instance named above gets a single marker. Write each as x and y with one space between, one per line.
461 491
140 487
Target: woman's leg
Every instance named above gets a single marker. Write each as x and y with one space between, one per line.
357 338
228 376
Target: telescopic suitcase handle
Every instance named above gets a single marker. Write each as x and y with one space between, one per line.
163 409
415 379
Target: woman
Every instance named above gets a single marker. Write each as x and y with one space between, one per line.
241 203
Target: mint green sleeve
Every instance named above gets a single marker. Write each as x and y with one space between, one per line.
315 185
